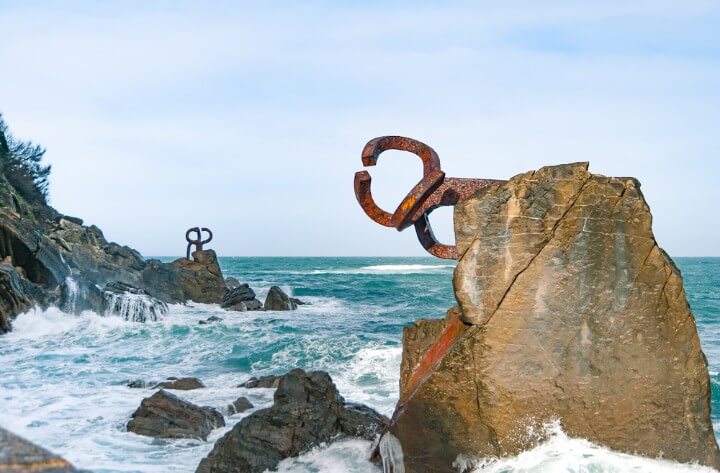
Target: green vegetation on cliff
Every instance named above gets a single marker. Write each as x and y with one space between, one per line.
21 166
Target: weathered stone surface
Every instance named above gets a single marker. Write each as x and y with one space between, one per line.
198 280
308 410
570 311
87 250
17 455
165 415
277 300
240 299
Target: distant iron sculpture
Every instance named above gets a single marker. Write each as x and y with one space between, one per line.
434 190
198 242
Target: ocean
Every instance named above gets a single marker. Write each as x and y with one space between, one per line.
63 377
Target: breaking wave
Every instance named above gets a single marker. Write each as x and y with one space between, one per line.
563 454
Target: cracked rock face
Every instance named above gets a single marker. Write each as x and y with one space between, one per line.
568 310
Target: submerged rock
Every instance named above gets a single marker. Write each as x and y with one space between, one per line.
180 384
277 300
308 410
241 298
209 320
131 303
269 381
569 310
165 415
239 406
18 455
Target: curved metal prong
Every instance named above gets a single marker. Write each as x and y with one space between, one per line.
372 150
366 201
427 240
210 237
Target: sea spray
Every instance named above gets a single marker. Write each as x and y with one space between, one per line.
70 296
134 307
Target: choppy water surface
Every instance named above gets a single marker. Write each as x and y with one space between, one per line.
62 376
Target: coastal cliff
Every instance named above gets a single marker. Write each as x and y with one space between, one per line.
47 258
568 311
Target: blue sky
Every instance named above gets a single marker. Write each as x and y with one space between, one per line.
249 118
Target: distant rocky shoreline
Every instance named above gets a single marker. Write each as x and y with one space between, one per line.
48 258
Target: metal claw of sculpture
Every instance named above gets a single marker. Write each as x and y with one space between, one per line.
198 242
434 190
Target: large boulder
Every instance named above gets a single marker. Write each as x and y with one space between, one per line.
165 415
198 280
18 455
241 298
308 410
277 300
568 310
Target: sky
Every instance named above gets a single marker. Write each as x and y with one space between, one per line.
249 117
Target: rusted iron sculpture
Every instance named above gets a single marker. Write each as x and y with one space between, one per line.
198 242
434 190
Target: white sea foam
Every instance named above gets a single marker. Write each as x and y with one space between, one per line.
347 456
563 454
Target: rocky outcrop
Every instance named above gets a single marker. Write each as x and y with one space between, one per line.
568 310
14 297
308 410
241 298
86 249
277 300
198 280
17 455
165 415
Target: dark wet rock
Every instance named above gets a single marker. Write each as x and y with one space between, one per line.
568 310
165 415
277 300
239 406
18 455
132 303
269 381
139 384
240 299
231 282
308 411
181 384
209 320
359 420
197 280
14 298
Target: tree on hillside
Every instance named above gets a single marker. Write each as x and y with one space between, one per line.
20 163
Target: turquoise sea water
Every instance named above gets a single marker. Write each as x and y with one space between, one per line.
62 376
